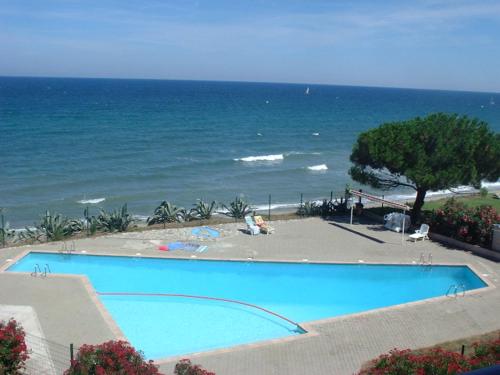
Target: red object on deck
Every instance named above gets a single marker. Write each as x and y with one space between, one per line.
163 248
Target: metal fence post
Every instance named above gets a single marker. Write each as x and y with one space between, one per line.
71 352
3 231
269 209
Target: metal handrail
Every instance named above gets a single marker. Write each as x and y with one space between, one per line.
301 329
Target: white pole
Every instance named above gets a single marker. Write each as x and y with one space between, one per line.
403 231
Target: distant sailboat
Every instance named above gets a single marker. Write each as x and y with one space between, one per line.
307 91
492 102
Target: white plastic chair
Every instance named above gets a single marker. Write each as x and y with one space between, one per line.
421 233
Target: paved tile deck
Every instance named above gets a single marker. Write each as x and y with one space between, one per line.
341 345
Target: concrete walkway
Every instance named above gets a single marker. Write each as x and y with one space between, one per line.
341 345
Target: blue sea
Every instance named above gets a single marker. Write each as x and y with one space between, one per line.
67 143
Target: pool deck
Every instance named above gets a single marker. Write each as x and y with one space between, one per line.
67 311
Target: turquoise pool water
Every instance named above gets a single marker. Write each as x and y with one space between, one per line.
165 326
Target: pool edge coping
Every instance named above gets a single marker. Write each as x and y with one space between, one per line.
309 326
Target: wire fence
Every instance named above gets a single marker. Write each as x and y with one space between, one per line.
46 357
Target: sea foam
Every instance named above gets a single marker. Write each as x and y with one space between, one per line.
261 158
91 201
320 167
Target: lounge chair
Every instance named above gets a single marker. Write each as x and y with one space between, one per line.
420 233
264 227
251 227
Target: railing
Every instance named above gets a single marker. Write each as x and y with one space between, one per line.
425 262
46 357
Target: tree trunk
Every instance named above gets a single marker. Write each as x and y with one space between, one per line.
417 206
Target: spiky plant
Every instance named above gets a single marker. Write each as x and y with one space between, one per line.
166 212
6 234
56 227
309 209
203 210
91 222
186 215
238 208
114 221
30 235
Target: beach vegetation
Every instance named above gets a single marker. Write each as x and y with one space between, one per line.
13 349
436 360
237 209
112 357
473 225
186 215
115 221
309 209
437 152
166 212
6 234
203 210
185 367
53 227
91 222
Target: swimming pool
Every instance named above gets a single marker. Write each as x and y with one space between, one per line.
164 326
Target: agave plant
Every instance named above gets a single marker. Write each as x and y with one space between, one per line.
30 235
166 212
55 227
115 221
238 208
186 215
6 234
91 222
203 210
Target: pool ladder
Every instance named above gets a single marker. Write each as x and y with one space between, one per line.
425 262
38 271
65 249
455 289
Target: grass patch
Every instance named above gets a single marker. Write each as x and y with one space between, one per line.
470 201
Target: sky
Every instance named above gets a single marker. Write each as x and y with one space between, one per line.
436 44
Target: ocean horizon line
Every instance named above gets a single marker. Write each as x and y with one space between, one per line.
426 89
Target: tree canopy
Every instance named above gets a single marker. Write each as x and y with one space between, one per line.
440 151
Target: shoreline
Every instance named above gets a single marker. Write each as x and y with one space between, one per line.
288 209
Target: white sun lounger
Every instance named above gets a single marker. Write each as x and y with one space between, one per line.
420 233
251 227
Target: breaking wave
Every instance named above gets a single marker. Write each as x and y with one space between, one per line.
262 158
320 167
91 201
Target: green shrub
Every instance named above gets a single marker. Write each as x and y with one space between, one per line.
166 212
115 221
54 227
185 367
238 208
309 209
483 192
204 211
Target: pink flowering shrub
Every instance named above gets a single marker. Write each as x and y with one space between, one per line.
435 361
112 357
13 350
471 225
185 367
